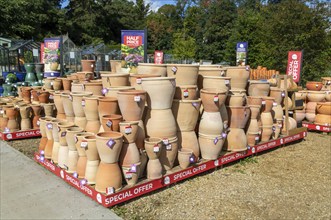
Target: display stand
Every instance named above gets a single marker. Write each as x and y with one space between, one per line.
8 136
314 127
175 175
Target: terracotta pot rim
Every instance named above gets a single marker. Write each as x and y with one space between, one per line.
268 97
66 124
115 74
188 87
217 77
152 140
236 67
55 120
187 101
120 88
129 166
323 103
75 129
243 107
256 133
183 65
91 138
93 84
313 82
238 90
82 93
211 137
258 82
109 134
106 98
112 116
213 91
144 75
212 69
184 150
83 134
277 89
125 123
158 78
131 92
254 106
92 97
152 64
42 104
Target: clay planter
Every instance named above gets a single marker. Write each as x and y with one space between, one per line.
324 108
82 159
328 95
131 177
111 122
57 84
26 94
77 87
301 95
66 83
109 145
160 123
277 94
267 103
316 96
88 65
217 82
277 112
211 123
25 112
310 116
184 156
236 140
238 116
185 74
300 115
149 68
210 146
91 150
254 100
188 92
236 100
107 106
160 92
239 76
141 134
78 103
42 125
93 126
66 99
212 99
169 153
277 129
80 122
115 65
132 104
94 87
135 79
255 111
154 169
12 113
49 109
326 80
323 119
63 126
186 113
267 131
70 137
129 155
153 147
115 80
252 138
112 91
258 88
49 134
205 70
56 143
314 86
108 175
72 161
36 115
311 107
267 119
129 131
188 139
90 107
58 103
253 126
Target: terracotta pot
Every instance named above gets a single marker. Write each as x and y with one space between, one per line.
55 151
132 104
25 124
211 123
111 122
108 175
326 80
258 88
85 76
322 119
150 68
210 146
224 115
277 94
91 171
129 155
266 132
112 91
169 153
300 115
185 74
212 99
160 92
217 82
81 166
135 79
310 117
184 156
311 107
80 122
78 143
277 112
301 95
239 76
88 65
153 147
66 83
253 126
252 138
3 123
90 107
154 169
115 80
25 112
26 94
63 126
70 137
66 99
315 96
188 92
255 111
141 135
115 66
238 116
77 87
90 147
92 126
72 161
44 97
35 94
315 86
73 77
78 103
107 106
58 102
49 109
94 87
186 113
236 100
63 156
267 119
328 95
292 123
129 131
130 176
188 139
205 70
236 140
109 145
267 103
160 123
254 100
57 84
324 108
36 115
42 125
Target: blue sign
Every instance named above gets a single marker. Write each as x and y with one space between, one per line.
242 49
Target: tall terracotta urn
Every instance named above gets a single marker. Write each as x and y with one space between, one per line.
36 115
42 126
186 113
90 107
72 153
81 145
93 159
59 105
153 148
49 134
56 140
63 149
107 106
185 74
26 113
160 123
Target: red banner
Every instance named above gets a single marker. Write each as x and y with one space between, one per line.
294 65
158 57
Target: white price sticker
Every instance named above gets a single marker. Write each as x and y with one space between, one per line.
128 130
38 122
156 149
137 98
51 97
128 175
274 104
185 93
165 141
215 98
168 147
263 102
83 144
227 82
109 123
83 103
138 80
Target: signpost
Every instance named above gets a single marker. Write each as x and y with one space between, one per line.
134 42
294 62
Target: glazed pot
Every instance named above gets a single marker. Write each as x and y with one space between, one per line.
323 119
277 112
160 92
135 79
94 87
324 108
211 123
239 76
132 104
184 157
66 99
314 86
63 126
169 153
129 155
238 116
266 133
78 103
91 171
186 113
112 91
236 140
111 122
109 145
129 131
188 92
90 148
212 99
108 175
315 96
188 139
107 106
217 82
254 100
154 169
90 107
115 80
153 147
185 74
258 88
277 94
160 123
210 146
150 68
267 119
88 65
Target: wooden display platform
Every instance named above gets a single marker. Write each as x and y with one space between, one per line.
8 136
314 127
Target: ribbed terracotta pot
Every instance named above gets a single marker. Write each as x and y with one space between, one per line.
314 86
129 131
63 126
169 153
112 91
129 155
185 74
236 140
109 145
211 123
108 175
188 139
66 99
111 122
153 147
154 169
91 171
160 123
136 79
115 80
217 82
315 96
239 76
188 92
132 104
90 107
94 87
186 113
150 68
323 119
212 99
160 92
108 106
184 156
258 88
238 116
78 102
323 108
210 146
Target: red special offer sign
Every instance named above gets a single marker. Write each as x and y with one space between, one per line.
158 57
42 52
294 65
133 40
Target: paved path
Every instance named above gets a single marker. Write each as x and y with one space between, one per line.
29 191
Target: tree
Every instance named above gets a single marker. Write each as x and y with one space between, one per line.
184 46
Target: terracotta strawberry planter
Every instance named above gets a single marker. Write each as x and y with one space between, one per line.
186 113
109 146
210 146
185 74
115 80
239 76
188 92
217 82
314 86
184 155
160 123
132 104
149 68
258 88
111 122
108 175
212 99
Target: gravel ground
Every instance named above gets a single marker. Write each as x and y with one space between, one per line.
293 182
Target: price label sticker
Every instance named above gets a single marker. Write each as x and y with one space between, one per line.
192 158
216 98
215 140
110 190
156 148
92 65
2 111
63 134
195 104
165 141
318 127
263 102
109 123
274 104
38 122
174 69
111 143
75 174
224 135
247 68
280 125
133 168
83 144
83 102
58 129
138 80
128 175
52 74
173 82
283 94
52 83
128 130
51 97
137 98
49 126
257 137
227 82
185 93
76 139
290 112
273 128
168 147
70 97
